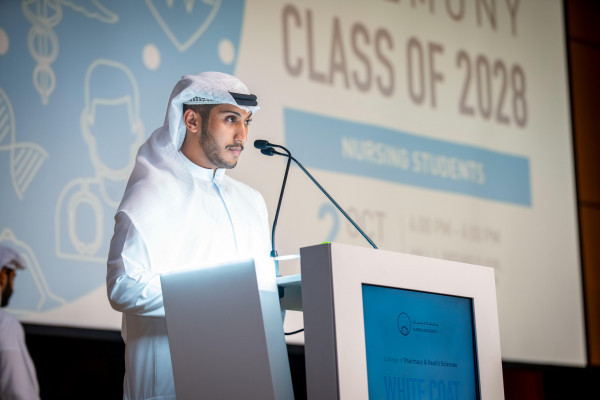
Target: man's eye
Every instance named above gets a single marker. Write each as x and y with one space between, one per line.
230 118
248 121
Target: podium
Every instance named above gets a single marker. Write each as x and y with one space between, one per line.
226 332
378 324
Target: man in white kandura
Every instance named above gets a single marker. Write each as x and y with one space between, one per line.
180 210
18 379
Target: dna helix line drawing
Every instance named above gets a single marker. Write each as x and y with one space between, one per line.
26 158
42 41
33 267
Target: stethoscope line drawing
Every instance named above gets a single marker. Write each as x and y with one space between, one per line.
33 267
85 250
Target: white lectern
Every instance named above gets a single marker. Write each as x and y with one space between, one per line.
226 333
379 324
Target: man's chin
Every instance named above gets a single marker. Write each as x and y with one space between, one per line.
228 164
221 162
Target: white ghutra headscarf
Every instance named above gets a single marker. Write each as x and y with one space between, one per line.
161 183
10 258
159 155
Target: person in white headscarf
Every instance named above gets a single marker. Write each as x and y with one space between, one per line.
18 379
179 211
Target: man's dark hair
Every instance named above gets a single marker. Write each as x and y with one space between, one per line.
203 110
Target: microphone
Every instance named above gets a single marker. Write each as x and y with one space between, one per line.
261 144
267 148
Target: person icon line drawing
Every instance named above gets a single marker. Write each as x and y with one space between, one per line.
110 121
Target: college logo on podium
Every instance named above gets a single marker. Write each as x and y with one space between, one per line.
404 324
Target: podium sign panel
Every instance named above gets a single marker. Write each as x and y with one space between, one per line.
419 342
388 325
226 333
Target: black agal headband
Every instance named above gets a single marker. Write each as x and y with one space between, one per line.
244 99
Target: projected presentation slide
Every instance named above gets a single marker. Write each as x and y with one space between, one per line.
443 132
419 345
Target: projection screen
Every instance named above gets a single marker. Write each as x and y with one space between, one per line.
442 127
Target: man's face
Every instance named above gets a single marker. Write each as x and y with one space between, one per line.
7 285
222 139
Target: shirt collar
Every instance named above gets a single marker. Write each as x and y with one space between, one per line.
198 172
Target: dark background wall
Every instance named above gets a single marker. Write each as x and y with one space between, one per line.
78 363
583 17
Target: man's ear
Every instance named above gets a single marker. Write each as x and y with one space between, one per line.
192 120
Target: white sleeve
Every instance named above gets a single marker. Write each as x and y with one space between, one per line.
133 288
17 374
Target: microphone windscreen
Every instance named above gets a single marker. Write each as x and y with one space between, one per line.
268 151
261 144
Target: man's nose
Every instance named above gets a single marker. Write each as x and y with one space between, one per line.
241 133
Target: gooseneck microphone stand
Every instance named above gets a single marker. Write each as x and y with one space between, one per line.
268 149
274 254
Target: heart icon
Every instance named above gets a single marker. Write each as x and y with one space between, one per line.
179 21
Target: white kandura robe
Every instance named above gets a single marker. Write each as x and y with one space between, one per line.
18 379
229 221
175 215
